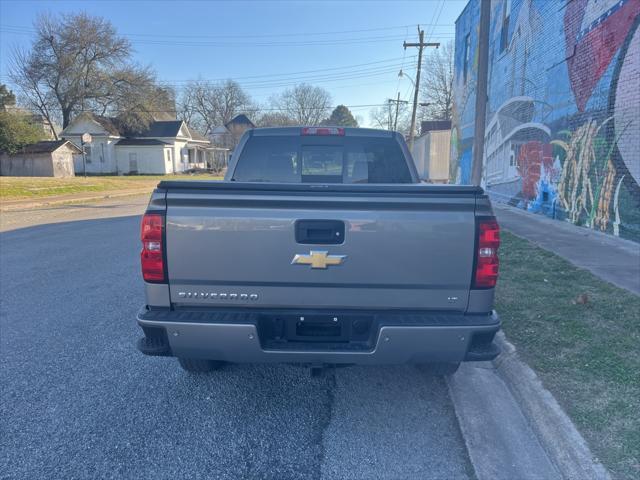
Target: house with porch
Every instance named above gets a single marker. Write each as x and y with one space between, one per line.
166 146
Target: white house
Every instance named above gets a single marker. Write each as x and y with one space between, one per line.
167 146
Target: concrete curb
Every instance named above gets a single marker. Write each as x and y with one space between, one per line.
564 445
30 205
499 440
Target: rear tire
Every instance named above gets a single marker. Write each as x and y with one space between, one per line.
440 369
198 365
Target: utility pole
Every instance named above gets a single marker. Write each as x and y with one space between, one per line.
420 46
481 92
397 102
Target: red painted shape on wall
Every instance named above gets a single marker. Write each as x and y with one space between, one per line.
590 48
530 160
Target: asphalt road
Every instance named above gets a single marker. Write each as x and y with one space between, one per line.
78 400
108 208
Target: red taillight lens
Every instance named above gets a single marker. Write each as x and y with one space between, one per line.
486 274
151 256
323 131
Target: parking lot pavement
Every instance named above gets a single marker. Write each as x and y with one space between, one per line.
78 400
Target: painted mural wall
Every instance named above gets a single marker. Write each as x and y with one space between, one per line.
563 116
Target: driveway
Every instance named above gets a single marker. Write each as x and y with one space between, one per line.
79 401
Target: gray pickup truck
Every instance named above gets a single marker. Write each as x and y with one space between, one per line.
321 247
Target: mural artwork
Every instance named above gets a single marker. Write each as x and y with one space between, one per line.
563 117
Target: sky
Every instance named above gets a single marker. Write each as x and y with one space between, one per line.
353 49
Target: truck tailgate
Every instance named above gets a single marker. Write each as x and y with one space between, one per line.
408 247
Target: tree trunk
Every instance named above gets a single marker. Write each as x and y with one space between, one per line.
66 117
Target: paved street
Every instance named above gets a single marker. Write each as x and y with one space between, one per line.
108 208
78 401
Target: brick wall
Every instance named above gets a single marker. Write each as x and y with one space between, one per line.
563 116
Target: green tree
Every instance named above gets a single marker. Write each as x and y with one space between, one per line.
16 131
341 117
7 98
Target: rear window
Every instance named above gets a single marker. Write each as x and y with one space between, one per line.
285 159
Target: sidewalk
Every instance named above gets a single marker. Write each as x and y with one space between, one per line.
611 258
31 203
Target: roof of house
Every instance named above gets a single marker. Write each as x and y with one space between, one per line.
221 130
162 128
195 135
156 129
241 119
111 125
47 147
141 142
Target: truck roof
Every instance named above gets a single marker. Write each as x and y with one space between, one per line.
348 131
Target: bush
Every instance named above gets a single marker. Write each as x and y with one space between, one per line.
16 131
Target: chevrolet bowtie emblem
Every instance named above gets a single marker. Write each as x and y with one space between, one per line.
318 259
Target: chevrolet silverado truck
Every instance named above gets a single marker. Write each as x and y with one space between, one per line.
321 247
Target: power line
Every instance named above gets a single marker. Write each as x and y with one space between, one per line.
27 29
162 40
281 82
296 80
259 109
430 35
288 74
321 43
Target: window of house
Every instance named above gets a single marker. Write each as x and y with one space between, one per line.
504 33
513 155
133 162
102 160
467 53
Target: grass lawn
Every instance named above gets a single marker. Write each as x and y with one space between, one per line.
14 188
586 353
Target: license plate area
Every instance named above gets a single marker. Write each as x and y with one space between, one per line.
332 331
318 329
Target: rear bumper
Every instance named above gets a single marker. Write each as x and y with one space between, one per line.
396 338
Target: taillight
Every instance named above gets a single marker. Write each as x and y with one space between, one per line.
323 131
488 241
151 256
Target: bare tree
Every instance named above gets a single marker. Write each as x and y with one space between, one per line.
437 86
69 64
385 117
304 103
207 106
275 119
230 100
382 117
135 98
